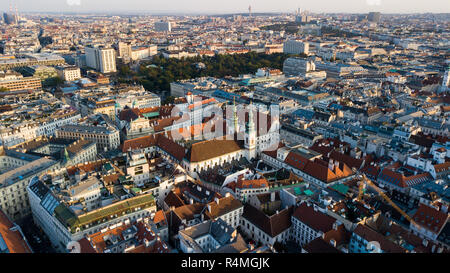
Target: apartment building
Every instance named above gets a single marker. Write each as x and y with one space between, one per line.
266 229
309 223
107 138
101 58
295 47
17 171
16 82
69 73
63 226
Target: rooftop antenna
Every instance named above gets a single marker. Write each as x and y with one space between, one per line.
10 8
17 16
250 11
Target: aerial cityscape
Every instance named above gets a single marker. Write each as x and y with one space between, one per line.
230 129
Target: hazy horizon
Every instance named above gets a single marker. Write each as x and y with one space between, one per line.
230 6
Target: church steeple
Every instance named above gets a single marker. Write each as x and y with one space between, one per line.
250 135
250 126
235 117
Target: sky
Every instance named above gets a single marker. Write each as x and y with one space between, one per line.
228 6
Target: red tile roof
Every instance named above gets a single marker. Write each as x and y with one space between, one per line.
139 143
430 218
13 239
254 184
171 147
315 219
271 225
210 149
370 235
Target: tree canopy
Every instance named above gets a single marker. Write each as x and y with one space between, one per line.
157 74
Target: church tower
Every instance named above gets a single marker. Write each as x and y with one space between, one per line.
235 117
250 135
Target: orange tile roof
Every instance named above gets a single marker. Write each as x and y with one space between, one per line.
442 167
14 240
430 218
139 143
257 183
210 149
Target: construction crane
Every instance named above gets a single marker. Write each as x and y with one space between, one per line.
117 169
365 181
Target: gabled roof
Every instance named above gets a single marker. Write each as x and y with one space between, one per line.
391 176
130 114
319 245
370 235
189 212
347 159
430 218
271 225
442 167
210 149
223 206
253 184
11 240
171 147
314 218
173 200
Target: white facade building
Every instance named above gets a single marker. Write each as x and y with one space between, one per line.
295 47
101 58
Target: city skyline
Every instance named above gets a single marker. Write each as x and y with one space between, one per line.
232 6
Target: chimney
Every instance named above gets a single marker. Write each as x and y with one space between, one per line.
333 242
227 194
272 197
425 242
335 225
217 200
209 208
191 201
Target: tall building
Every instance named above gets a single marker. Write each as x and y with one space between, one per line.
163 26
9 19
125 51
69 73
295 47
298 66
101 58
302 17
374 17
